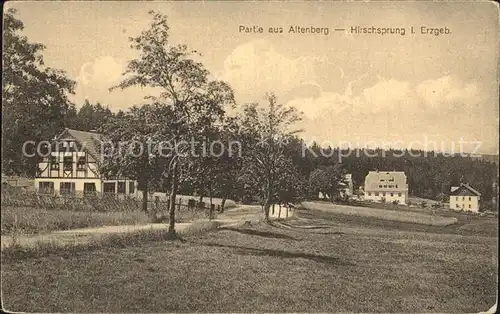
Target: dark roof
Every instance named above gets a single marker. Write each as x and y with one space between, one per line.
373 180
90 140
464 189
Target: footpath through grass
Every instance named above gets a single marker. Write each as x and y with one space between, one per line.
315 263
32 220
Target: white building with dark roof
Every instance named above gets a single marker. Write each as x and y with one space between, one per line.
71 166
388 186
464 197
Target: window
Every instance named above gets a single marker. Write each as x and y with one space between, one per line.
399 194
470 198
385 186
54 163
463 198
67 188
456 198
376 193
457 206
383 193
382 180
469 206
109 187
46 187
392 194
80 165
89 188
68 163
380 186
121 187
396 186
131 187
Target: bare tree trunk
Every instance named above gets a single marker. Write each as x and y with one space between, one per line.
173 194
279 210
267 205
222 205
210 196
210 193
273 209
145 197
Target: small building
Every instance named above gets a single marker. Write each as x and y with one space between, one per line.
71 167
465 198
347 187
386 186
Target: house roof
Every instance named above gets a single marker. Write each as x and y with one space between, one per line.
375 179
89 140
464 189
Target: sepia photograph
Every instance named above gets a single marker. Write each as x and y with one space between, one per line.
250 156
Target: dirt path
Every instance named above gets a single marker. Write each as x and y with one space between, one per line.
79 236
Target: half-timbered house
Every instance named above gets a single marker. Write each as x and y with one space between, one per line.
71 167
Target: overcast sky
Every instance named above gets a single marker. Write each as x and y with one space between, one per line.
393 90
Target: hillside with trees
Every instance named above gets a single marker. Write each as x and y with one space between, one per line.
272 165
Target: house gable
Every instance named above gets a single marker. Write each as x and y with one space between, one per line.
464 190
74 154
87 141
386 181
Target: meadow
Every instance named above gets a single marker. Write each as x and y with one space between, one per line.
397 214
315 262
25 213
32 220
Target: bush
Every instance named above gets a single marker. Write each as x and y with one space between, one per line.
488 206
395 202
436 205
423 204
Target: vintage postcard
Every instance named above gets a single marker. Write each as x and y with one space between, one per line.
263 157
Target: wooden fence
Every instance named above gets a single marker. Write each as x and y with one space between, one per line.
107 202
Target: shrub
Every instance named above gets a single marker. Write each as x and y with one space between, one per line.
395 202
423 204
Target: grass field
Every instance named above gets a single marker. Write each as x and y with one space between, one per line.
397 214
31 220
417 201
316 262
